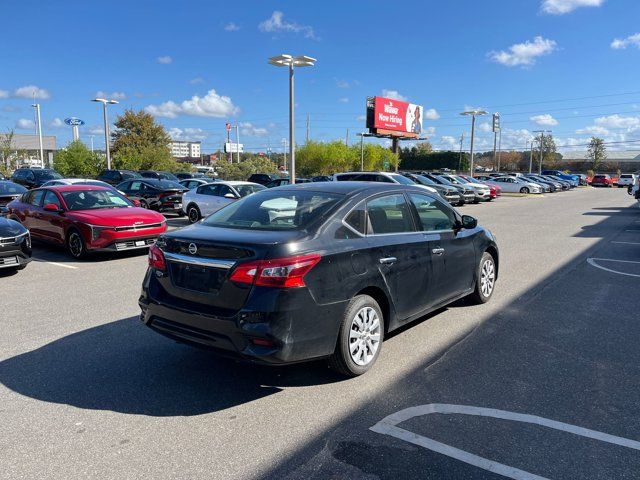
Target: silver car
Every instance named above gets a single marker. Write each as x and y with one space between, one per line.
205 199
517 185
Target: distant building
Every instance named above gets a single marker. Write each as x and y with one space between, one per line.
26 148
185 149
624 160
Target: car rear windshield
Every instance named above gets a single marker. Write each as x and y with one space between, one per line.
10 187
165 184
128 175
46 174
273 210
245 190
403 180
94 199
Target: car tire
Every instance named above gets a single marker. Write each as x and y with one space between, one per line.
363 314
485 280
193 214
524 190
75 244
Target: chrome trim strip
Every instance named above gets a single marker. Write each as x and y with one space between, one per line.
201 261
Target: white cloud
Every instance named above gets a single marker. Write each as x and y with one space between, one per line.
449 142
57 123
544 120
630 41
111 96
4 94
343 100
28 91
560 7
165 60
429 131
211 105
247 129
618 121
393 94
25 124
485 127
593 130
96 130
524 54
276 23
431 114
187 134
231 27
196 80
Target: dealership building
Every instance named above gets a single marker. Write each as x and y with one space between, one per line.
27 148
625 160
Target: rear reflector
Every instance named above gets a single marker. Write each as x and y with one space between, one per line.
282 272
156 258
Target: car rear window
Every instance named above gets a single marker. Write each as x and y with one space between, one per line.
273 210
245 190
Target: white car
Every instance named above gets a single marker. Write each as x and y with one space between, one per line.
627 179
191 183
516 185
384 177
481 191
211 197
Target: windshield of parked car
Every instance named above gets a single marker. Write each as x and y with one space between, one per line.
424 180
94 199
403 180
444 181
275 210
168 176
10 188
245 190
46 174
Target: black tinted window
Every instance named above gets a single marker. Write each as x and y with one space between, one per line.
51 197
389 214
207 189
357 220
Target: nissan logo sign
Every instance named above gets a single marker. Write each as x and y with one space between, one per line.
193 249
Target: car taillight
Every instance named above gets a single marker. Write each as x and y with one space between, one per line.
156 258
282 272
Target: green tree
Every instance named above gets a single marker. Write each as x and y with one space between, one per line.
318 158
597 153
76 160
244 169
139 143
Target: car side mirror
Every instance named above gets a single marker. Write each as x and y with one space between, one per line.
469 222
136 202
230 195
52 207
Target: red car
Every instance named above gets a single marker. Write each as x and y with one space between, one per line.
601 180
86 219
494 190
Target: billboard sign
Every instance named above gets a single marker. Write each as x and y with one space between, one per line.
496 122
393 116
233 147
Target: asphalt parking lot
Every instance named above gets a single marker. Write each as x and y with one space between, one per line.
87 391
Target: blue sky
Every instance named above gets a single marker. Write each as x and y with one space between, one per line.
571 66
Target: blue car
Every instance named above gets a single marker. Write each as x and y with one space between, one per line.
574 180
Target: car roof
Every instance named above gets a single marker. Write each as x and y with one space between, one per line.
350 188
74 188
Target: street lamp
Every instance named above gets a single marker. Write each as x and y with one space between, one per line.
292 62
104 103
473 114
39 126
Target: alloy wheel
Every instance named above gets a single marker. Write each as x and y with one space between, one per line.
75 244
364 336
193 214
487 277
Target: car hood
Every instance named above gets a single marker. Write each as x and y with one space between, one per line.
115 217
478 185
10 228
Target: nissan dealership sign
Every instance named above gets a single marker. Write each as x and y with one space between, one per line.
390 116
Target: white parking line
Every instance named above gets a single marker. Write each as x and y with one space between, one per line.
57 264
593 263
627 243
389 426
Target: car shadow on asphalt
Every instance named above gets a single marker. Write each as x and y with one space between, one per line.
45 252
124 367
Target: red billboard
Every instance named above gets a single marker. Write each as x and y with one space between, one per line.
397 116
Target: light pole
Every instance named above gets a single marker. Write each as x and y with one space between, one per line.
104 103
541 132
362 135
285 60
39 125
473 114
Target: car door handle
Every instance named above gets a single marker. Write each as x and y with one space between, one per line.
437 251
388 260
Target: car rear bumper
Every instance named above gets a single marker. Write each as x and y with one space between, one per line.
273 327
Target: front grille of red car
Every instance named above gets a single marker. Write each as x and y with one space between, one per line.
138 227
132 244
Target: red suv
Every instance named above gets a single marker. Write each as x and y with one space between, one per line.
86 218
601 180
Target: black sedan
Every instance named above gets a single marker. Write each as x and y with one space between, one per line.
9 191
15 245
163 196
316 270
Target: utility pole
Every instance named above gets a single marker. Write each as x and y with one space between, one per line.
91 143
531 157
541 132
237 143
496 127
460 160
284 146
229 153
362 152
308 127
499 148
39 127
346 139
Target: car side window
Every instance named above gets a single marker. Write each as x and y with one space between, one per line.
357 219
30 176
382 178
135 186
51 197
389 214
223 190
207 190
433 214
36 197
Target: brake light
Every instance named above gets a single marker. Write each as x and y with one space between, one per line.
156 258
282 272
